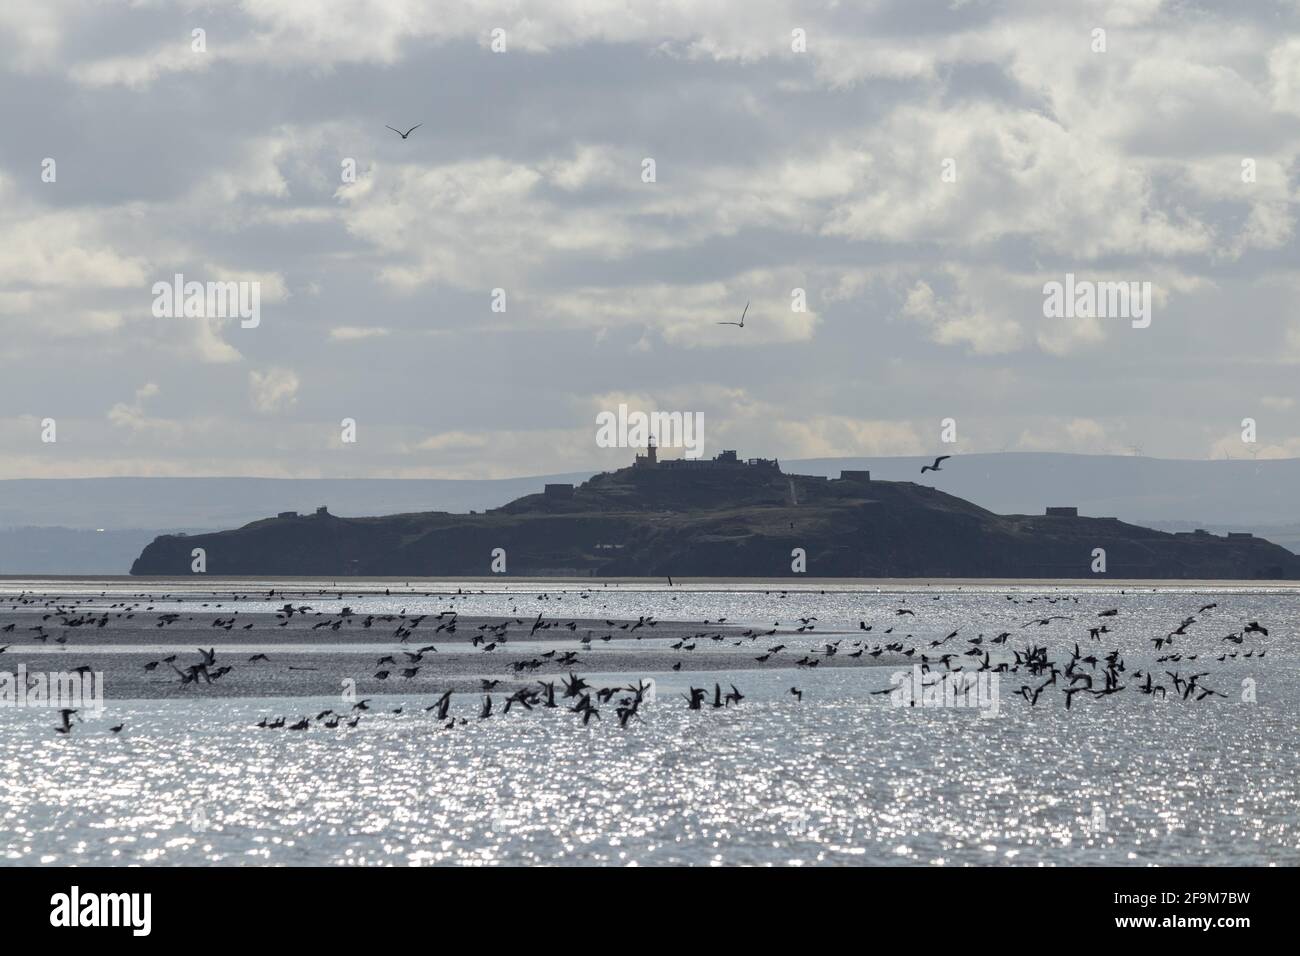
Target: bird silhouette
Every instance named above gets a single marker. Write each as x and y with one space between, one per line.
65 715
741 323
408 132
443 703
935 466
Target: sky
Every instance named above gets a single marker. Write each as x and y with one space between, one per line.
920 170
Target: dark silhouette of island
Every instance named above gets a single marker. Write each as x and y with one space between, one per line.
723 517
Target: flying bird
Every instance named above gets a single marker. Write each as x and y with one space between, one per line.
935 466
408 132
65 716
741 323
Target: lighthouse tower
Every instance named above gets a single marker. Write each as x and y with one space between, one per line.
650 458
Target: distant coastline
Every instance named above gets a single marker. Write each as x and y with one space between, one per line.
729 516
421 584
52 526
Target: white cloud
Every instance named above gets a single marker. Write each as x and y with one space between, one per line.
1284 72
776 170
50 247
841 436
272 390
131 416
353 333
960 321
688 316
1076 435
588 166
139 71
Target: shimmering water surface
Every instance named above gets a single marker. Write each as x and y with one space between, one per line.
842 777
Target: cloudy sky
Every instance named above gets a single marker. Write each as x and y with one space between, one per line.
775 169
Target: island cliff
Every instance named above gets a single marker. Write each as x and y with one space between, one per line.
722 517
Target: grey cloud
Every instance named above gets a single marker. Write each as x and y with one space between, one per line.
774 170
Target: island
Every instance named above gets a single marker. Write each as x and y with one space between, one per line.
723 517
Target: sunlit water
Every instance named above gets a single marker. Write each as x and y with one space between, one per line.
842 777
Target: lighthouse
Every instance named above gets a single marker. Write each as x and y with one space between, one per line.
650 458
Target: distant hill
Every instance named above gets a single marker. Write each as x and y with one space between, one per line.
727 518
1131 488
50 526
58 516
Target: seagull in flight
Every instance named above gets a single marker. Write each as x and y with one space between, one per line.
741 323
935 466
408 132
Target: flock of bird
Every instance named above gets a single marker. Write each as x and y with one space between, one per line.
1074 673
528 697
